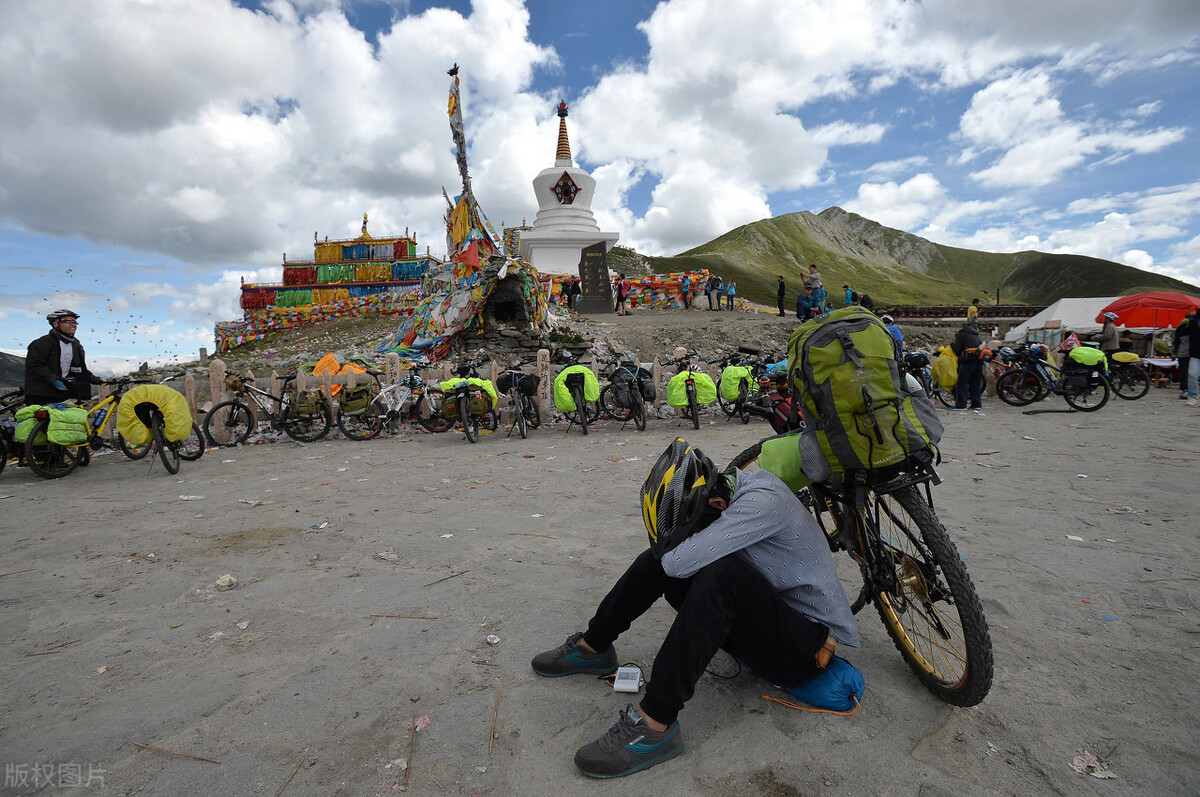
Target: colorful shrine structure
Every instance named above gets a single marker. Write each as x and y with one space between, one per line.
349 268
363 276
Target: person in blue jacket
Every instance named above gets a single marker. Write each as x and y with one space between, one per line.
807 305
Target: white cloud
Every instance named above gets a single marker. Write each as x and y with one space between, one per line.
901 205
843 134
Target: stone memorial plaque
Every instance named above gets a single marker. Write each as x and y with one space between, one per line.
597 294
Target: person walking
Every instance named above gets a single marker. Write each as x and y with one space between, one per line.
781 295
730 292
685 291
622 294
55 365
968 347
718 288
746 569
973 311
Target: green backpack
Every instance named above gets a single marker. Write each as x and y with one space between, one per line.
853 395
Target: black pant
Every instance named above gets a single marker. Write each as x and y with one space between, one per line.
970 384
1183 369
727 605
709 295
781 313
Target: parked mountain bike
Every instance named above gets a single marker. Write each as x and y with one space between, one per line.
1033 377
624 397
191 448
409 399
689 400
911 571
521 389
571 388
468 401
230 422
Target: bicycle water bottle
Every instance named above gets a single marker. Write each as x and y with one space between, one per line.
100 416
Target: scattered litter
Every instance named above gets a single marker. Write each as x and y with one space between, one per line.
176 625
229 460
987 453
1087 764
215 635
421 724
492 639
225 582
1080 475
631 459
447 536
399 762
388 556
325 483
340 470
1073 537
1108 618
191 497
2 497
1125 510
551 457
983 464
363 480
102 670
1027 437
253 501
537 515
318 528
243 624
992 749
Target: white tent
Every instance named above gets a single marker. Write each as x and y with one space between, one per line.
1065 315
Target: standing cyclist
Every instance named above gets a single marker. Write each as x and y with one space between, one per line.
55 368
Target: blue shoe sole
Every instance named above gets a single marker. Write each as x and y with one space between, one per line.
581 670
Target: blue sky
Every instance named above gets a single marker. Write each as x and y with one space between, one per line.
152 153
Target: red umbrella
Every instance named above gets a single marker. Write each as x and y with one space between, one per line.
1156 309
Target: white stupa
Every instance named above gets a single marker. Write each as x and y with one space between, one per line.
564 224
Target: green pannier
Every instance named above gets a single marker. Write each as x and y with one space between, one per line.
355 400
706 389
68 426
1086 355
854 399
307 404
482 396
731 380
562 393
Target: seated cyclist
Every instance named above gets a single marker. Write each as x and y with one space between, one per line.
55 368
746 568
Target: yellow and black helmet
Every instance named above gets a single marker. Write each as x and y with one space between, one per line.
675 495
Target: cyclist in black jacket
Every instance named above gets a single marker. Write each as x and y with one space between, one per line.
55 367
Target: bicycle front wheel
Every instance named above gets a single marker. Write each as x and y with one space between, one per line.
470 422
639 409
1018 388
228 423
581 408
362 425
728 407
518 400
50 460
1129 382
308 428
168 452
192 447
693 406
931 610
130 450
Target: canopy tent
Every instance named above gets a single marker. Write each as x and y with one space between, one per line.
1069 315
1153 310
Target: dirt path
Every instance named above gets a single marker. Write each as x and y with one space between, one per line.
114 633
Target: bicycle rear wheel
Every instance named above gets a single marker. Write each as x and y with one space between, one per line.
228 423
728 407
931 610
742 399
362 425
1091 398
1129 382
307 428
639 409
693 406
168 452
428 411
192 447
50 460
581 408
470 422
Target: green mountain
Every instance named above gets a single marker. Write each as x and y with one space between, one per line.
894 267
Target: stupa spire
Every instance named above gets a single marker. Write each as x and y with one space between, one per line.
562 155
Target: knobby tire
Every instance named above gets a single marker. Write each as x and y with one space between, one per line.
1129 382
693 407
50 460
168 452
519 407
470 423
192 447
308 428
228 424
364 424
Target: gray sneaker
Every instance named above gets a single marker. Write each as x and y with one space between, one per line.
629 746
572 657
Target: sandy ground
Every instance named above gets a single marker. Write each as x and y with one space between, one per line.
114 633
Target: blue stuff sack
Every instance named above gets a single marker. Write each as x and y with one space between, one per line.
839 688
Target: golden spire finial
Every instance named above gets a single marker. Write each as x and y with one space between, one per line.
564 146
